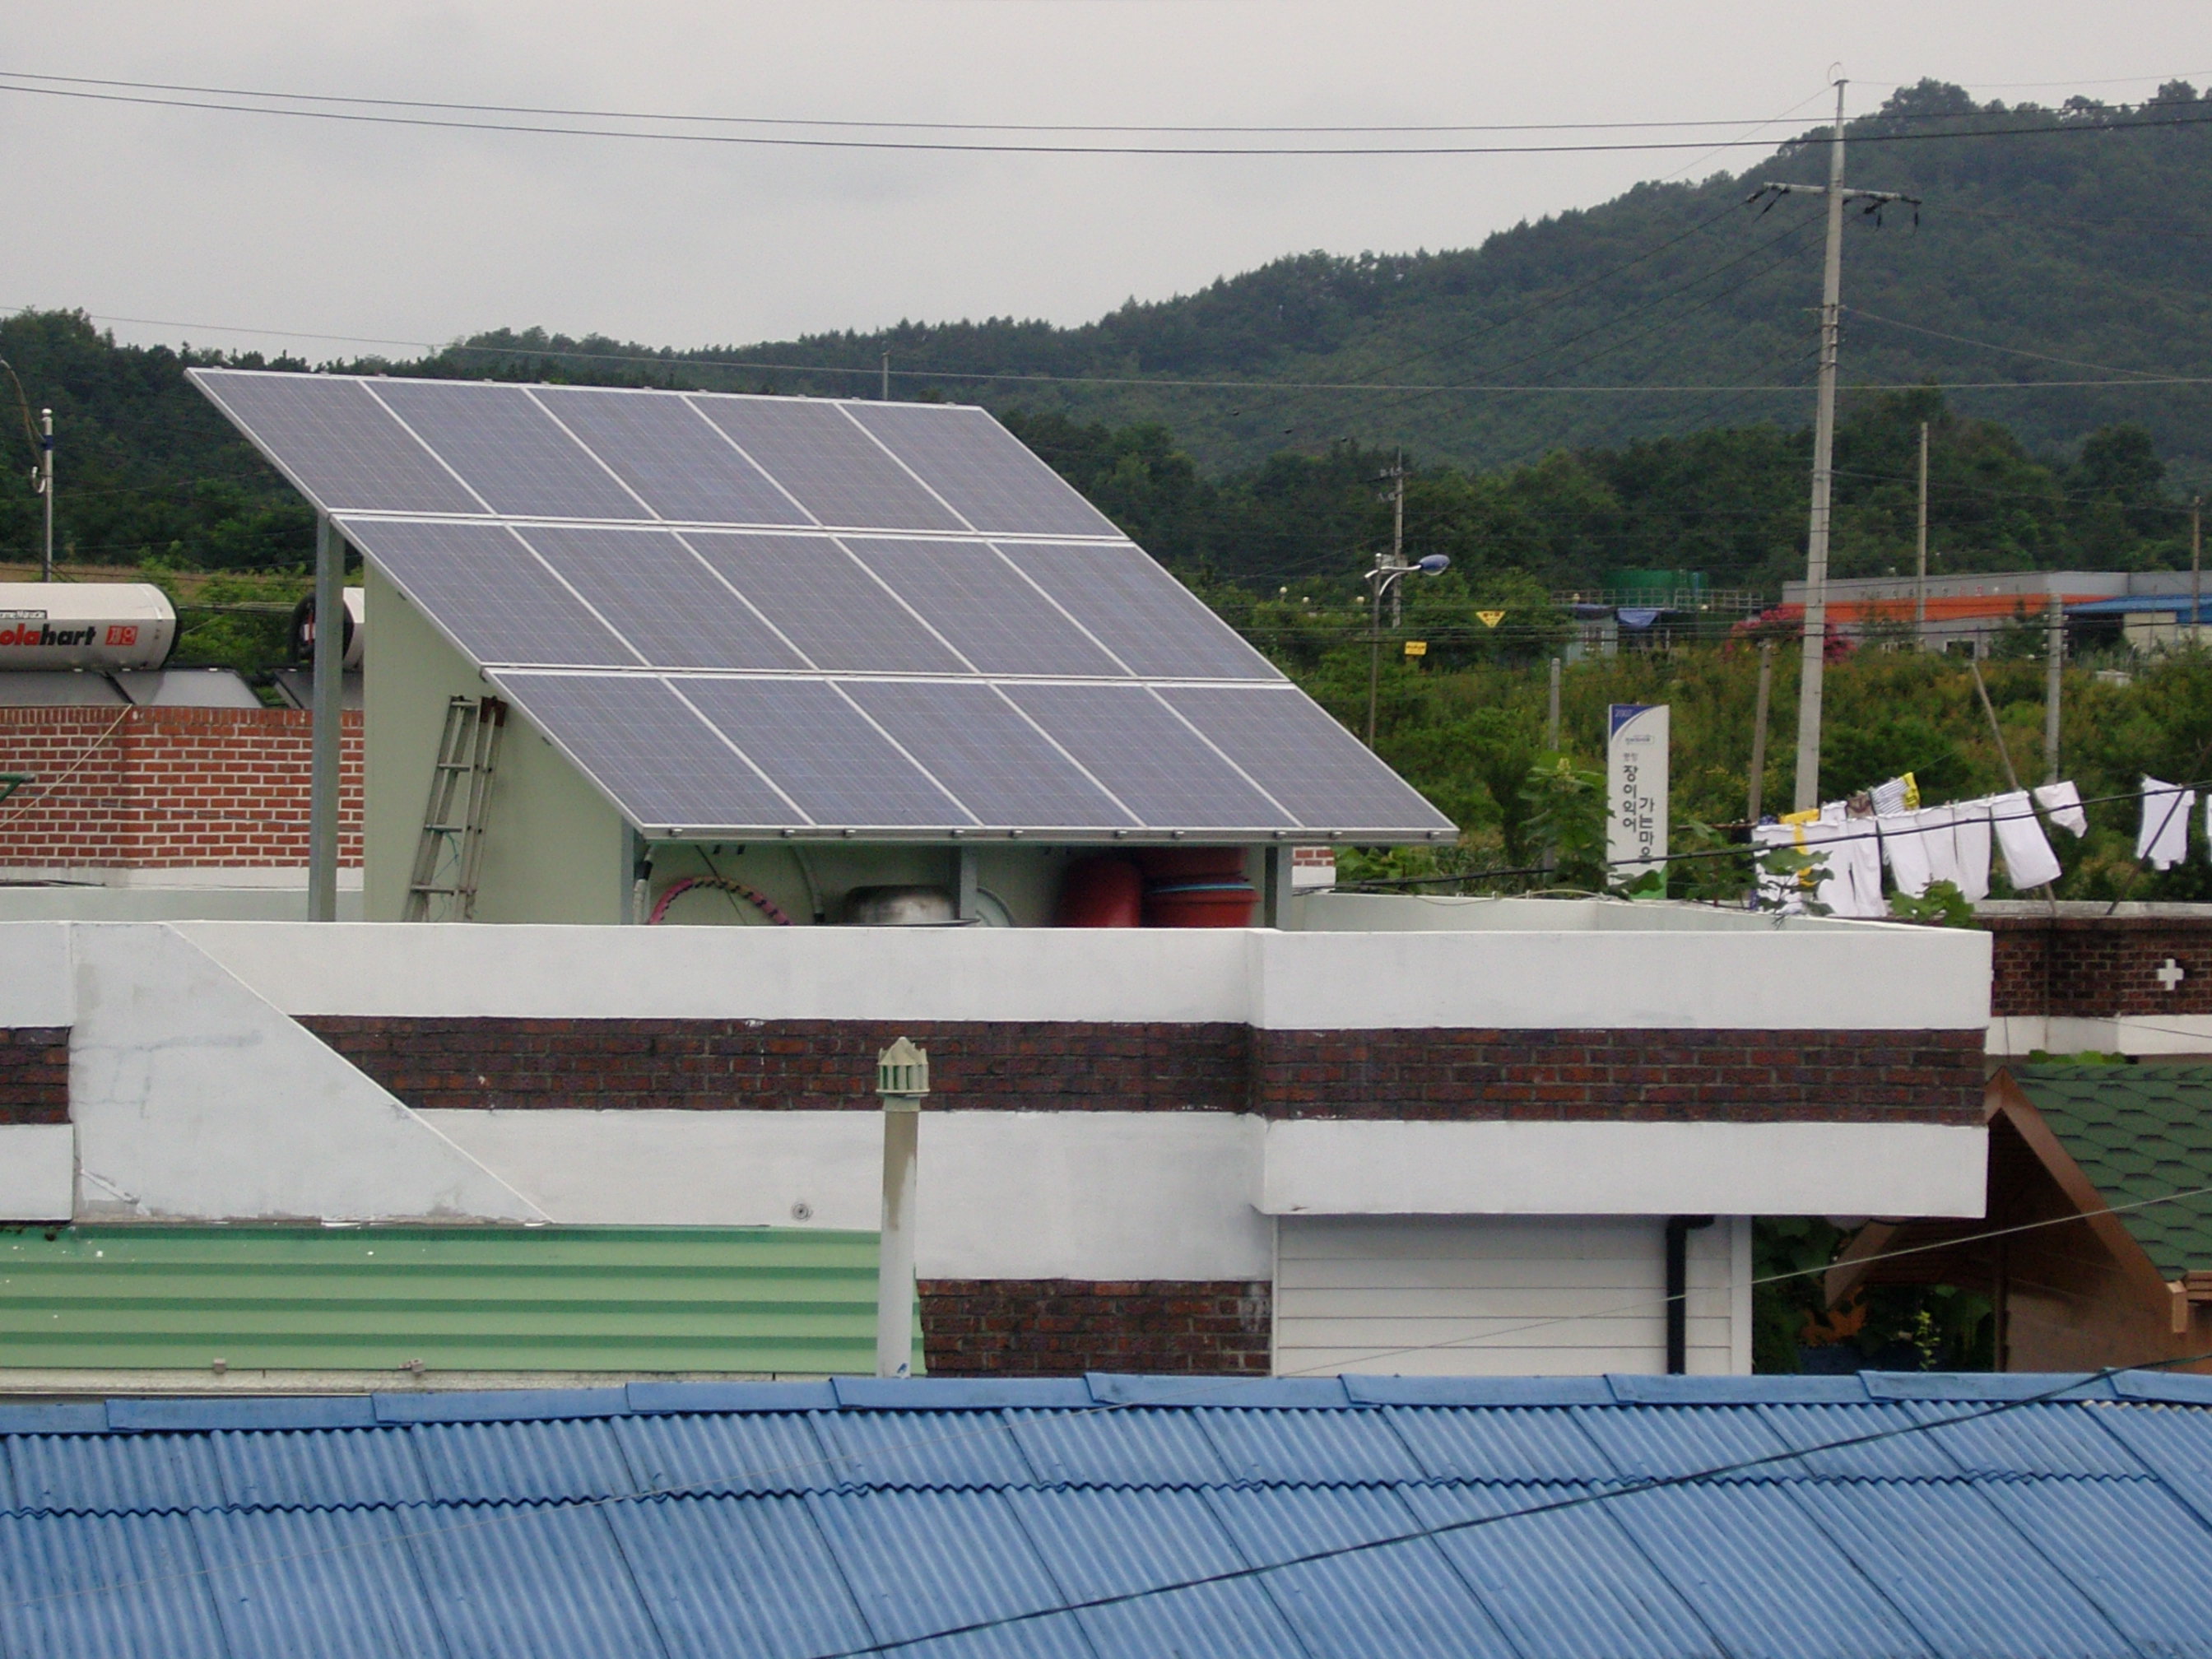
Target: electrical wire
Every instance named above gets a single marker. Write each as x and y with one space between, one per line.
1991 345
943 146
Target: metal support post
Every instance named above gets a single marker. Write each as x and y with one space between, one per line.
46 489
327 719
902 1081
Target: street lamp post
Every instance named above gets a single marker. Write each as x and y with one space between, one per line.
1380 581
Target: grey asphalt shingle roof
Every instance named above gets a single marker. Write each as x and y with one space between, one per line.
2138 1132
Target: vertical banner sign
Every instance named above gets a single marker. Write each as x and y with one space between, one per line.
1636 789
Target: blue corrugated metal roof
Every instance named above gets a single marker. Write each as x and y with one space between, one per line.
1360 1519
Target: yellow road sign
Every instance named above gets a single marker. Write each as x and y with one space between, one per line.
1417 648
1490 618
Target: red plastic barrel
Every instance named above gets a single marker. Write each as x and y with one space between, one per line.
1200 904
1101 892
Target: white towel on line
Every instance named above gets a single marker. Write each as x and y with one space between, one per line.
1905 844
2064 802
2163 837
1970 849
2029 861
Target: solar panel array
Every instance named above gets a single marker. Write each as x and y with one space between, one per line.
746 614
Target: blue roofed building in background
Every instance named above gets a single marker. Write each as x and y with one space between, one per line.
1123 1515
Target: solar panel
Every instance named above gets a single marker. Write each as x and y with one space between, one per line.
664 766
1140 613
1130 742
838 472
1304 759
978 745
511 451
826 604
894 612
337 443
822 752
655 593
983 473
671 456
984 607
489 593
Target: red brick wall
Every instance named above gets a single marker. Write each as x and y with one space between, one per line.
814 1065
34 1074
1066 1327
150 788
2096 967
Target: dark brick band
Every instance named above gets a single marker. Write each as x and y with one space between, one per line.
1065 1327
34 1074
2098 967
1933 1076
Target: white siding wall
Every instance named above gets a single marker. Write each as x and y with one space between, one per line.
1504 1296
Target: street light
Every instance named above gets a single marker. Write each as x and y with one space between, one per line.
1379 581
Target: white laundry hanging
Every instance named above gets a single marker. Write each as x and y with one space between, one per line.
2029 861
2064 802
2163 837
1970 849
1936 824
1905 845
1853 884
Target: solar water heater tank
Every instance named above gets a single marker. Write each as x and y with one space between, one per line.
110 625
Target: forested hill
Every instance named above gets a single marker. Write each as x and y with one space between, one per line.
2086 237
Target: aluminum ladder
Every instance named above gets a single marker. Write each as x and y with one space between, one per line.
451 847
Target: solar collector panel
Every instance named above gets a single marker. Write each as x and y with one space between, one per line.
669 453
1143 615
490 591
674 611
982 605
982 471
979 746
664 765
1304 759
513 452
834 469
341 446
824 753
1136 746
825 603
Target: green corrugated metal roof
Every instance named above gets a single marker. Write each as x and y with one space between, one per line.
626 1299
2138 1132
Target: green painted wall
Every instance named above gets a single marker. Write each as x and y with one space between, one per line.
642 1299
553 843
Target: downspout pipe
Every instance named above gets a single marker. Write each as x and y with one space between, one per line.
1679 1229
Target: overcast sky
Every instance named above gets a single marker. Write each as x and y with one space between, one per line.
263 224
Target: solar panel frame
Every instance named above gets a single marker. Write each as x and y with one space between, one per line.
1139 611
828 463
661 597
499 603
615 727
514 453
678 462
983 606
981 470
401 475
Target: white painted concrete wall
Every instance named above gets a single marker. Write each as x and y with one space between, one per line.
38 1172
1334 1166
1004 1195
1867 977
1502 1296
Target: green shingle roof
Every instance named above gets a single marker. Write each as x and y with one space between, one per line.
760 1300
2138 1132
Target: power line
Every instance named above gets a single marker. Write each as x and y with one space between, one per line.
947 146
1991 345
879 124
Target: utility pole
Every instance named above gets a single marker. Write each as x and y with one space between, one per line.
1754 794
2054 653
46 489
2195 566
1920 593
1824 446
887 377
1552 714
1397 476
